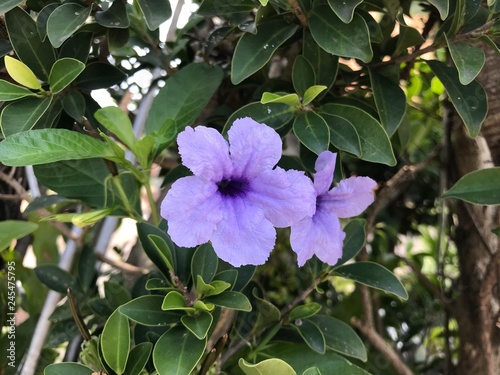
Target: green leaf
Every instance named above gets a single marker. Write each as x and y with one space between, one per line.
338 38
155 12
117 38
49 145
275 115
78 47
311 334
199 324
115 341
470 101
174 300
11 230
184 96
204 263
10 91
99 75
63 72
21 73
303 75
253 51
138 358
115 16
271 366
23 35
116 294
67 368
146 310
177 351
478 187
157 252
324 64
42 17
74 105
268 313
231 300
217 7
443 6
354 240
163 249
83 219
345 9
312 131
390 101
289 99
229 276
374 141
343 134
374 275
8 5
304 311
311 93
64 21
340 337
118 123
496 231
55 278
468 59
18 117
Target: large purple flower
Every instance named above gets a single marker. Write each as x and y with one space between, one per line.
235 198
322 234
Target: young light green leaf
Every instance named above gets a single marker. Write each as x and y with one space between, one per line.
468 59
303 75
155 12
312 131
174 300
345 9
290 99
11 230
21 73
311 93
63 72
118 123
49 145
82 219
478 187
253 51
67 368
64 21
115 341
22 115
271 366
199 324
10 91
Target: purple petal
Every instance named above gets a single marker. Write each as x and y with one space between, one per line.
192 208
325 166
205 152
244 236
254 147
320 235
350 198
285 196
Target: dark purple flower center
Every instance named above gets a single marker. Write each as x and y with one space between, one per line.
233 187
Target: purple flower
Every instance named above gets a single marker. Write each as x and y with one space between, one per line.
235 198
322 234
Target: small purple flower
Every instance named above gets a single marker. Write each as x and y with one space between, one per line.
235 198
322 234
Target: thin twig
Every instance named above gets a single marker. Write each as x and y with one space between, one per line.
123 266
297 10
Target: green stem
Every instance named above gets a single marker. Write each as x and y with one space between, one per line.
152 203
128 207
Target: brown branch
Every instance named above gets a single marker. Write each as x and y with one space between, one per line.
122 266
13 197
14 184
297 10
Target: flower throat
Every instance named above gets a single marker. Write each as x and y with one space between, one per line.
232 187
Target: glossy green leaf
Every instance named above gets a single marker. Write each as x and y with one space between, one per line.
118 123
202 287
49 145
63 72
443 6
74 105
468 59
146 310
162 255
198 324
229 276
8 5
345 9
275 115
303 75
312 131
99 75
184 96
374 275
408 38
117 38
478 187
21 73
470 101
245 274
340 337
138 358
55 278
289 99
64 21
343 134
268 313
11 230
231 300
204 262
78 47
354 240
311 334
42 18
177 351
304 311
163 249
338 38
67 368
10 91
174 300
23 35
311 93
155 12
253 51
374 141
271 366
312 371
115 341
20 116
217 7
324 64
390 100
115 16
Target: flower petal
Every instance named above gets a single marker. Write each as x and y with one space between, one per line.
205 152
351 197
325 166
244 236
192 208
320 235
254 147
284 196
